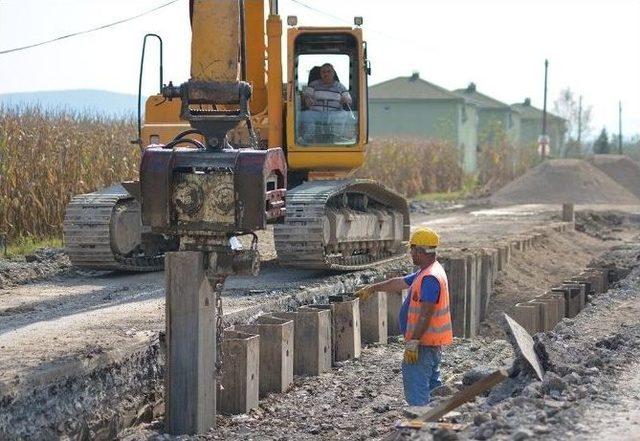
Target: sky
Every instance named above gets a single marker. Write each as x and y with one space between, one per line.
593 46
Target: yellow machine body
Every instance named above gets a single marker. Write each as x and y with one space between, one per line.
310 133
211 61
273 104
325 157
162 121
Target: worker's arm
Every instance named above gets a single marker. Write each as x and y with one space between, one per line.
397 284
391 285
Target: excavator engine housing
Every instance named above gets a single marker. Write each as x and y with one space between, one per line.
194 192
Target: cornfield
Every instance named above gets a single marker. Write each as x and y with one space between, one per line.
46 157
413 166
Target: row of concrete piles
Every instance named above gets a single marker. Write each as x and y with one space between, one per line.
472 273
543 312
262 357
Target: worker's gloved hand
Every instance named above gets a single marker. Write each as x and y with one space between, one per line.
365 292
411 351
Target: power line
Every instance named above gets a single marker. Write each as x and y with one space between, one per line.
75 34
335 17
376 31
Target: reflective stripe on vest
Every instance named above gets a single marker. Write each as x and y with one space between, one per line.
436 313
439 331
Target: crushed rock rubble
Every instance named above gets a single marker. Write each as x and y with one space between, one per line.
43 263
603 225
359 399
582 357
362 399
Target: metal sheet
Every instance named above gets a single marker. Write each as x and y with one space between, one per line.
523 345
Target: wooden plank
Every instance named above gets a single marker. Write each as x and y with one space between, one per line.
190 383
455 266
567 213
464 395
345 318
472 307
489 262
559 298
276 352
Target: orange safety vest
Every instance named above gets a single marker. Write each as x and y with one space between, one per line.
439 331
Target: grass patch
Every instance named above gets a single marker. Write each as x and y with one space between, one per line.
27 245
468 188
441 196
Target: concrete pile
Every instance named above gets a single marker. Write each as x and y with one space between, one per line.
472 274
262 357
543 312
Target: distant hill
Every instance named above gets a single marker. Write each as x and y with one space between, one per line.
94 101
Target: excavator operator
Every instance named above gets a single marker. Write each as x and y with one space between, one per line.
327 93
327 103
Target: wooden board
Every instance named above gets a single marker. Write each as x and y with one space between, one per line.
394 304
464 395
240 374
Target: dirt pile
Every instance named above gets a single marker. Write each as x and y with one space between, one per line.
562 181
622 169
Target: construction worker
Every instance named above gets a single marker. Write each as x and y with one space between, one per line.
425 319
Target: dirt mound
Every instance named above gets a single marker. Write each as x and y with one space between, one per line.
622 169
564 180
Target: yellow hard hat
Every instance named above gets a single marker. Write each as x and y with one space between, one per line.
425 237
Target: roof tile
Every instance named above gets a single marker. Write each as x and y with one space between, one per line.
410 88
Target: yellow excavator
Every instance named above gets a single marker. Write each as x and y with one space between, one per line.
236 131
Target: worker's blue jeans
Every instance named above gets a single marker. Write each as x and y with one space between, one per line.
422 377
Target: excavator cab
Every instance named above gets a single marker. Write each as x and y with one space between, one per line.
326 116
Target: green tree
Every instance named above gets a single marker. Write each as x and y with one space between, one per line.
601 145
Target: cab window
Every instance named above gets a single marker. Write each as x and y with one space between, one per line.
326 76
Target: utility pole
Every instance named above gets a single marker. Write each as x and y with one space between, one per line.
620 127
579 121
544 141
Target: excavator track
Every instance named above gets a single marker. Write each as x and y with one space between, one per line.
102 231
342 225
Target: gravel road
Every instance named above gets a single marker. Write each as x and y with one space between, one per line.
70 320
